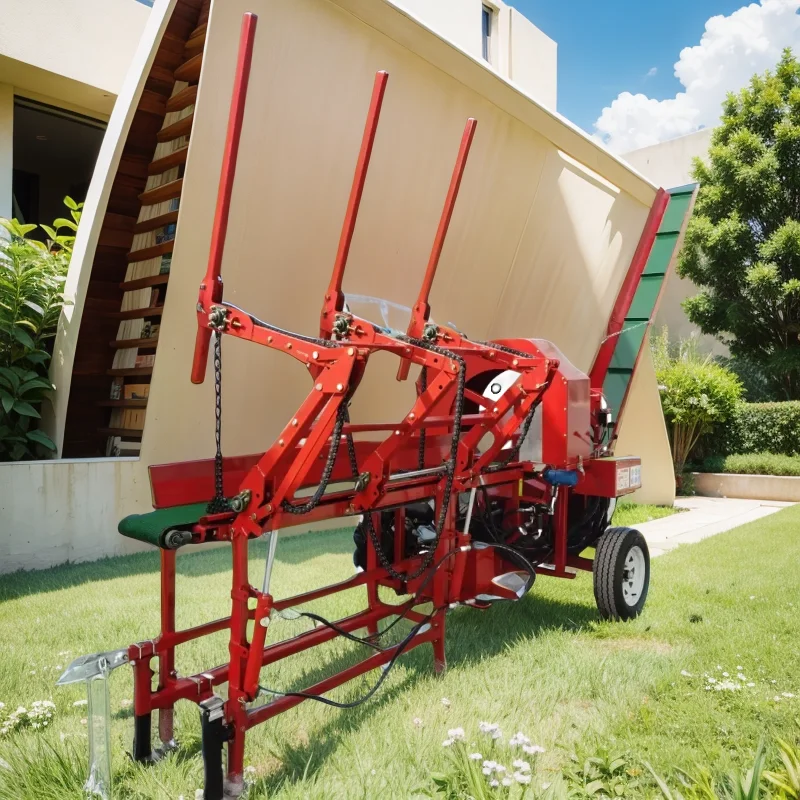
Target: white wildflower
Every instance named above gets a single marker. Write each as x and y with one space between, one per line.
445 702
686 674
546 785
773 681
490 765
80 703
522 766
787 694
725 675
712 680
494 783
500 769
776 699
447 742
486 771
751 684
519 739
125 702
84 721
475 756
520 778
739 667
199 794
456 734
752 597
532 749
741 676
506 781
251 770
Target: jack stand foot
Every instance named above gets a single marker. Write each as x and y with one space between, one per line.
142 745
212 723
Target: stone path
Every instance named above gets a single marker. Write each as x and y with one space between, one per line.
706 516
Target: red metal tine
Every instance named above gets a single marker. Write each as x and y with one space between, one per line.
211 287
422 310
334 299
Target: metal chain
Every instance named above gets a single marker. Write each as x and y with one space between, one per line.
423 385
220 503
336 438
449 474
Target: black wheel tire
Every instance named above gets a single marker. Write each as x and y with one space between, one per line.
613 549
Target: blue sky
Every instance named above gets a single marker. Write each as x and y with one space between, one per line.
606 48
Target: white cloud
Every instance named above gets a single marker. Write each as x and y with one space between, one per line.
730 51
651 72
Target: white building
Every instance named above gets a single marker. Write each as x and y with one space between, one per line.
62 64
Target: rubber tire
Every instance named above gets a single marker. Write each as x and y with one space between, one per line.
609 561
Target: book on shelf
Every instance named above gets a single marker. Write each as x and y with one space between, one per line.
133 419
137 391
166 263
144 361
165 234
116 389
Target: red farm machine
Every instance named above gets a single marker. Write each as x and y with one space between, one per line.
501 470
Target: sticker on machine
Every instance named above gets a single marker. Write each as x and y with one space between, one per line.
636 476
623 478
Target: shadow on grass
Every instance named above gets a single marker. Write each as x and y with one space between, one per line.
206 561
471 637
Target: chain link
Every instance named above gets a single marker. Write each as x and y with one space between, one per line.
220 503
449 474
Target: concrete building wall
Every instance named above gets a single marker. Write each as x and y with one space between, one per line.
670 164
519 51
76 50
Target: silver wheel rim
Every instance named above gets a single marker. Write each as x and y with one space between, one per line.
633 575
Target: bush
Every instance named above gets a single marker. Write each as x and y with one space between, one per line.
696 394
32 276
754 464
761 428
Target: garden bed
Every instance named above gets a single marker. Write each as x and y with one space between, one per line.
751 487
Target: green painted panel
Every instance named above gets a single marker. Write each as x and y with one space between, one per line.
661 253
644 300
615 387
630 341
676 211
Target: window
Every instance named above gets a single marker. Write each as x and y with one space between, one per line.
487 17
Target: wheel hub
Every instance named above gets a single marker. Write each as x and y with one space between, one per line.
633 575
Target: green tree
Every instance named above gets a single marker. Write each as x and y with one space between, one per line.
742 245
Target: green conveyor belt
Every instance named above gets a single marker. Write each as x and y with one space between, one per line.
149 528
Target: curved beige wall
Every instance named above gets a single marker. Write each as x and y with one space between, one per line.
538 246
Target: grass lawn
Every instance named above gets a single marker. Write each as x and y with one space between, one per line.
629 515
546 666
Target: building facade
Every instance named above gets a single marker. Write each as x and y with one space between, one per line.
670 164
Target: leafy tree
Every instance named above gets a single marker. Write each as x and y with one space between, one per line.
743 243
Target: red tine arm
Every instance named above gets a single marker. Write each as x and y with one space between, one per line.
422 310
334 299
211 287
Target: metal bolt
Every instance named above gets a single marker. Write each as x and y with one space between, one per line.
294 422
254 516
268 508
397 433
288 345
412 416
269 340
339 387
318 387
350 351
494 410
280 442
315 354
200 307
515 362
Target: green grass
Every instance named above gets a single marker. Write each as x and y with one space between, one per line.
546 666
755 464
629 515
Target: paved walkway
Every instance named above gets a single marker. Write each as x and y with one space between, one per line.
705 517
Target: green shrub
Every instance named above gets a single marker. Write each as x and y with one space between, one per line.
761 428
696 393
754 464
32 276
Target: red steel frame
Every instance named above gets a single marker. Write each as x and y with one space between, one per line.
269 480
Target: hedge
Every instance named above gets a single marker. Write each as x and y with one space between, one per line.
754 464
758 428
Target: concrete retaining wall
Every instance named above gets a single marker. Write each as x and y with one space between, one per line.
752 487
